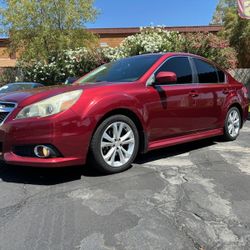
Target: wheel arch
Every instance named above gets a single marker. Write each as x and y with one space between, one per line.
134 117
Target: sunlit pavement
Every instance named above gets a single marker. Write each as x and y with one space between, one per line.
193 196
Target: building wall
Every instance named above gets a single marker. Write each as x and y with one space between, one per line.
111 41
4 53
114 36
6 59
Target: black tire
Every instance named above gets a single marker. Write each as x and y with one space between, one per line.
96 157
227 135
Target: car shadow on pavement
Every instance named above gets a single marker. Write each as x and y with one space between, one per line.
54 176
44 176
175 150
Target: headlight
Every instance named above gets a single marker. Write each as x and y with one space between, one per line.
50 106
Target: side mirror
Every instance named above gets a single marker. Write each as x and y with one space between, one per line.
166 77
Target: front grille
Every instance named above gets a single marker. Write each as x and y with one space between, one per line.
5 109
24 150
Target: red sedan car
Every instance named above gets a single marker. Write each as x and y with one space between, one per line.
132 105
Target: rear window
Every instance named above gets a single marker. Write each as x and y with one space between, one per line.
207 73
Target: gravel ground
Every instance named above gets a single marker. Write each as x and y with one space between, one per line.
192 196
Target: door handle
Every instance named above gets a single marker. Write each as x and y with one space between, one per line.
193 93
225 91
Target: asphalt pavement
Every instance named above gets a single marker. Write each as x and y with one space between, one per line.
191 196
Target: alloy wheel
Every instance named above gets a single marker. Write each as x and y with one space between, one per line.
117 144
233 123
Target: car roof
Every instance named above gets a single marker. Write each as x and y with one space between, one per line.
168 54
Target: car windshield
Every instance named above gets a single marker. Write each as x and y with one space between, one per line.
123 70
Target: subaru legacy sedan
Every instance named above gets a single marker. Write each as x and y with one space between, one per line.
132 105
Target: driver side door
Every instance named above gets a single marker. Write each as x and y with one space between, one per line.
172 106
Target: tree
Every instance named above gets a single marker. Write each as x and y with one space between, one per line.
220 11
39 28
236 29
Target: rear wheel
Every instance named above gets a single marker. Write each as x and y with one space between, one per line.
114 145
232 124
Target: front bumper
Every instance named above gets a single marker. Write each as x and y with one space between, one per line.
67 132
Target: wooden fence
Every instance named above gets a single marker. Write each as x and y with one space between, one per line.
242 75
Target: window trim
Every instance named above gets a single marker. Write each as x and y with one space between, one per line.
151 79
211 64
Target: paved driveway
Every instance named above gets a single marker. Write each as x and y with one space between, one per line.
193 196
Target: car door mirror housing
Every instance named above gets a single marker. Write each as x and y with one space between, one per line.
165 77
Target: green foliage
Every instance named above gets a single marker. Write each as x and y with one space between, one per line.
63 65
9 75
151 40
221 8
38 28
236 30
212 47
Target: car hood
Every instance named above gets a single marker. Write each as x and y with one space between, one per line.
26 97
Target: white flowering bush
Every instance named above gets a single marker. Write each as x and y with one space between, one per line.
157 39
149 40
152 40
69 63
75 63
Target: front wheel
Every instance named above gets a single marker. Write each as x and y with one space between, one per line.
232 124
114 145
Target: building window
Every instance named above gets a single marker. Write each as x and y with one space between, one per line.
103 44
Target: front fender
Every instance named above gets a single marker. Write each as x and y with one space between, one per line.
98 107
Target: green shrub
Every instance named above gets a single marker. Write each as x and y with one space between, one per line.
157 39
212 47
8 75
149 40
59 67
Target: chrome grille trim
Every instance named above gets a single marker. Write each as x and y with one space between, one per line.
6 107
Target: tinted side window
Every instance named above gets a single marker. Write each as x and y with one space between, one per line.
181 67
206 72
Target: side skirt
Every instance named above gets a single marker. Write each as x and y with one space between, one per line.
185 138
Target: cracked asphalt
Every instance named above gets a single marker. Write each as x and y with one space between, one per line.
191 196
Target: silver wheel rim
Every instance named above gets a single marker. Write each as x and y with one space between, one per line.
233 123
117 144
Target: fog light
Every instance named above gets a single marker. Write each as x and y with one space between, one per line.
42 151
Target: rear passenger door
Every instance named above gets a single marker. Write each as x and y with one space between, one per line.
212 93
